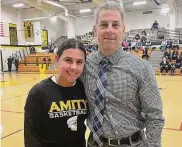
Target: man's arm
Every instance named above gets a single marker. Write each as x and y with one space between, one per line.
32 122
151 105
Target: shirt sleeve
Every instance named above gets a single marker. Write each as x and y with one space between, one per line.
32 122
151 106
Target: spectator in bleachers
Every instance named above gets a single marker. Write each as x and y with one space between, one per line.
164 65
155 26
125 45
143 40
175 54
163 45
133 44
181 69
178 62
167 54
148 43
145 53
138 44
144 33
176 44
172 67
137 37
170 44
32 50
180 56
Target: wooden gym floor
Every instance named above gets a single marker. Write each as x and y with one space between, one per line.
14 89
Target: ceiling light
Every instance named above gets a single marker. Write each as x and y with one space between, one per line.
85 10
140 3
165 10
18 5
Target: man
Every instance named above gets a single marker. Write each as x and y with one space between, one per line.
124 84
155 25
10 61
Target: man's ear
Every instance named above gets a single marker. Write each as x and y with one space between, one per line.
123 28
95 30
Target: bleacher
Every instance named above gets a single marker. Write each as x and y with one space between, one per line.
31 62
177 71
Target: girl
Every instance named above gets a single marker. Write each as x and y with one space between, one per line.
56 108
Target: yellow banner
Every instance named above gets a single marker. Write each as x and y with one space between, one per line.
12 25
13 34
28 29
44 38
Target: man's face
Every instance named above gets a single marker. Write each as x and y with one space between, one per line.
109 31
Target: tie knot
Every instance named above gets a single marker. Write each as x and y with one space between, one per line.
104 62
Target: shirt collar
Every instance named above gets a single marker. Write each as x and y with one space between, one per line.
113 58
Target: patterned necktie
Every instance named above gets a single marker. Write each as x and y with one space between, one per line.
99 102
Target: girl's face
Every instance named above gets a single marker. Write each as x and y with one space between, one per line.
70 65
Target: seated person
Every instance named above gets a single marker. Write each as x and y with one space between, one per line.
176 44
137 37
175 54
133 44
163 45
32 50
170 44
143 40
145 53
173 67
178 62
180 55
125 45
164 65
138 44
181 69
167 54
144 33
148 43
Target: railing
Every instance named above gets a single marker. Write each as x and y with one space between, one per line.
36 60
170 34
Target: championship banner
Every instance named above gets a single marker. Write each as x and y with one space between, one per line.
13 34
44 39
28 30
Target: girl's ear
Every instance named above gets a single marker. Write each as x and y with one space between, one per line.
56 58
